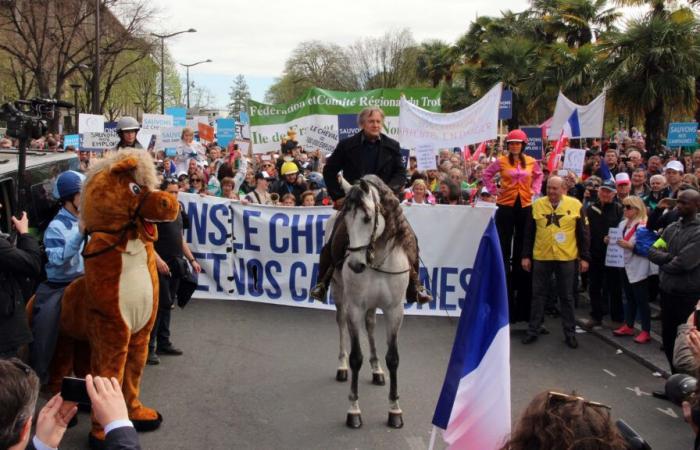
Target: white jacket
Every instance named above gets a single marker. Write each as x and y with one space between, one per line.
637 267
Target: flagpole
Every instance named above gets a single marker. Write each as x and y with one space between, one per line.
432 438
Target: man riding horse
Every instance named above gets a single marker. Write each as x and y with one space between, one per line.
367 152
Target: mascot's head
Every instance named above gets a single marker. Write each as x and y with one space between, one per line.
119 193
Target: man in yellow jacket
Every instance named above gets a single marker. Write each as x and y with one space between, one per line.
556 237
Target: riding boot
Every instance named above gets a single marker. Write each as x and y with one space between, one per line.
415 291
325 270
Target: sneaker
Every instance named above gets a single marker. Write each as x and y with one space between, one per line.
624 330
643 337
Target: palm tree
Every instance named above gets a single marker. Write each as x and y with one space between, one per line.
435 62
651 68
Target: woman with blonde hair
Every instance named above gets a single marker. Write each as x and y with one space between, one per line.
419 194
188 148
636 273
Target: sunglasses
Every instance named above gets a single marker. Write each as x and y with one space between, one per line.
628 207
558 397
195 180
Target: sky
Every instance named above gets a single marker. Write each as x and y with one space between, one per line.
254 38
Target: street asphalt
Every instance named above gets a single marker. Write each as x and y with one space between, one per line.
256 376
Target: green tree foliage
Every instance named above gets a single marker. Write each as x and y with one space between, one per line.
239 96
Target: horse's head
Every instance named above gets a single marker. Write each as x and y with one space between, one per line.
120 193
364 219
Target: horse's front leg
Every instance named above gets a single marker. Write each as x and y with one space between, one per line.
394 317
377 372
341 319
354 417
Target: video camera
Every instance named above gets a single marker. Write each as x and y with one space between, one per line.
26 119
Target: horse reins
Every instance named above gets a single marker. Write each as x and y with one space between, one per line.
132 224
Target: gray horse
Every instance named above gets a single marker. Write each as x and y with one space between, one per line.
374 274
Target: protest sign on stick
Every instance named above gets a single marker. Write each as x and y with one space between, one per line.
574 159
425 157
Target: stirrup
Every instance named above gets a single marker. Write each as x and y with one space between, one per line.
318 292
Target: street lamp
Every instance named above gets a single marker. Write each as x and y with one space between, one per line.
96 66
75 103
187 66
162 38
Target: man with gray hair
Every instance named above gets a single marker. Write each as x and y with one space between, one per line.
367 152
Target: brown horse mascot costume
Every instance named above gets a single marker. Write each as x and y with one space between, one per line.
111 309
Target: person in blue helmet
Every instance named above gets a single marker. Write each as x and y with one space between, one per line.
62 242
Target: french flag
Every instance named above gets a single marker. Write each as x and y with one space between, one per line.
474 404
572 127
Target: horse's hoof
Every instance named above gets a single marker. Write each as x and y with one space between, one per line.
378 379
341 375
395 420
353 420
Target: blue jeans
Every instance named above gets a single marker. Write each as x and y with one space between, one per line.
637 295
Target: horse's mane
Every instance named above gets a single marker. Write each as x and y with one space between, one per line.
144 175
397 226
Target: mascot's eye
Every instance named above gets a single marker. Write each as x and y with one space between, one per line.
366 219
135 188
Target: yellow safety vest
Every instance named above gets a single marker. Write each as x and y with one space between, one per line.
555 230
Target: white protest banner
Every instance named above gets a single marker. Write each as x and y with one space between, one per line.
574 158
425 157
168 138
157 121
474 124
91 123
99 141
615 255
324 139
588 118
270 254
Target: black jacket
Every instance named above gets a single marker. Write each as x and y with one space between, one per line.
600 219
390 167
17 264
679 264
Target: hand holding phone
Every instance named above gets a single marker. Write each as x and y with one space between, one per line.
74 390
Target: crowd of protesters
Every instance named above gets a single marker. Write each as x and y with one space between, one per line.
553 225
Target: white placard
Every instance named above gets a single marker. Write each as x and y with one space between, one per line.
322 138
144 137
615 255
169 138
425 157
91 123
99 141
157 121
574 158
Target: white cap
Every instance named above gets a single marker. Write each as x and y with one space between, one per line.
674 165
622 178
484 190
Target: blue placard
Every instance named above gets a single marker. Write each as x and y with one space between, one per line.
505 110
243 117
535 144
405 153
682 134
347 125
179 115
225 131
71 139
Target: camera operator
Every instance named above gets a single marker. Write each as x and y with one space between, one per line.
17 264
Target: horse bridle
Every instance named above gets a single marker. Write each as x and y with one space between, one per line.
132 224
369 248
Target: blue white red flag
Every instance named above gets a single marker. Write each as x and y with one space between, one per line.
474 404
572 127
604 170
